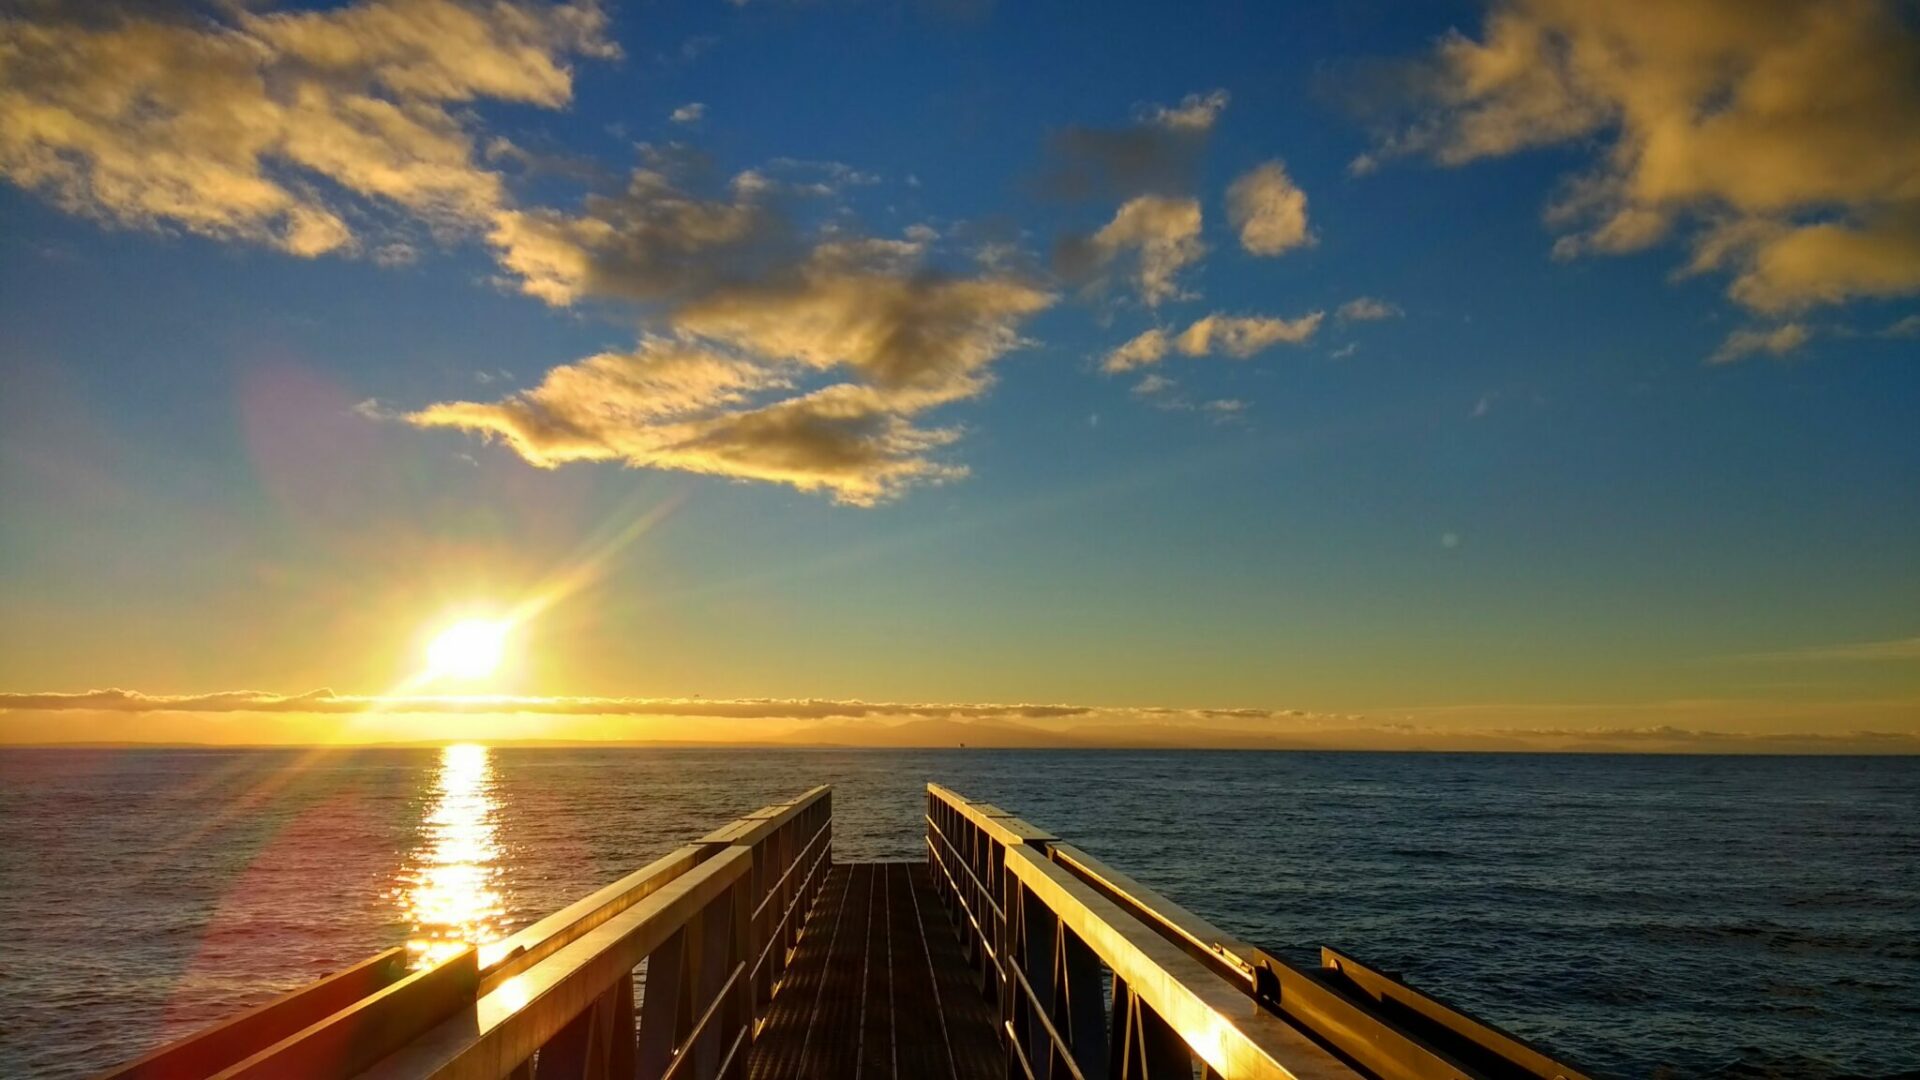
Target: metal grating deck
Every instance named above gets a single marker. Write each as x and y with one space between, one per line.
878 989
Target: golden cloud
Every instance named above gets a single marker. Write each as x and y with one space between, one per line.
1236 336
216 128
726 394
1269 210
1157 235
1787 131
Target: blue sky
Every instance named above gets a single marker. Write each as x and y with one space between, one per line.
1524 486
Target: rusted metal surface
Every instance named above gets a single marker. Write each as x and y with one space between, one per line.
879 989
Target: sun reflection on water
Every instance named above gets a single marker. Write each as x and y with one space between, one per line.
450 890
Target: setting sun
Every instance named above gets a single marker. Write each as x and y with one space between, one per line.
469 649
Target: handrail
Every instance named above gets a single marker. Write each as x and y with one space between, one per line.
1467 1036
985 897
1219 1023
1203 940
539 940
801 897
232 1041
680 1056
1183 990
716 922
362 1033
524 1014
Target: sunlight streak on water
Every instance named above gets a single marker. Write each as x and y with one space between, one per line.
450 888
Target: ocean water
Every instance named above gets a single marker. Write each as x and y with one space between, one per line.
1644 916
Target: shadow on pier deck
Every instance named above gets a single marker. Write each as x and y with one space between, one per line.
751 955
878 988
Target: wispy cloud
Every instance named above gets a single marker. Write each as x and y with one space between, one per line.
691 113
1196 112
1908 327
1367 309
1236 336
1243 336
1775 341
1896 649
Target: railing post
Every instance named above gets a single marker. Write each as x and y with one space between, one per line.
595 1045
1078 1001
660 1007
1145 1047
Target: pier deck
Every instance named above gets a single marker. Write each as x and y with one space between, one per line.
878 988
1009 953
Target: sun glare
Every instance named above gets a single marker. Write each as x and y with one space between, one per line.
469 649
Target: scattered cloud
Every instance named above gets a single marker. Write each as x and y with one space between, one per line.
1163 393
279 128
1345 351
396 253
774 357
1367 309
1152 238
1786 134
743 387
1158 154
1908 327
1216 334
1147 349
1196 112
808 177
691 113
1776 341
1241 337
1269 210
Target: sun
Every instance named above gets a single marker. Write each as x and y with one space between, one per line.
469 649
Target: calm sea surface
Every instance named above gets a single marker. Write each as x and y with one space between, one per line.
1734 917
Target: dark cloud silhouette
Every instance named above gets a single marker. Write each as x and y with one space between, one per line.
1158 154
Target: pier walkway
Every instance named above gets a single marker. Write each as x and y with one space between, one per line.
751 954
882 989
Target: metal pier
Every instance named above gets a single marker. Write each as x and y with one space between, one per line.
750 954
878 988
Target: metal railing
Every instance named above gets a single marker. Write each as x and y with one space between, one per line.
1099 977
715 924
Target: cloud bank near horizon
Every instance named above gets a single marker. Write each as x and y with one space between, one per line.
249 717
